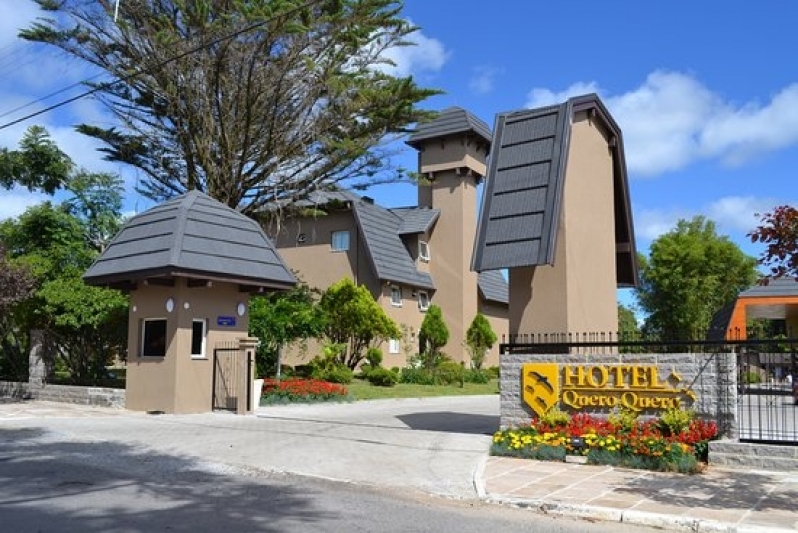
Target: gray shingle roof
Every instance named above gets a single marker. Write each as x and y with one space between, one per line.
193 236
416 219
778 287
523 195
450 121
390 258
493 286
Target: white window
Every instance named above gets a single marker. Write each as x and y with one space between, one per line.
396 296
423 300
393 346
423 250
198 338
153 337
340 241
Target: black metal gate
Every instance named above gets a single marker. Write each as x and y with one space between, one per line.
766 402
226 377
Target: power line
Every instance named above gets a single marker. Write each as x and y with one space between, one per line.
139 72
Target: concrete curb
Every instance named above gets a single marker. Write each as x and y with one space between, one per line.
478 477
632 517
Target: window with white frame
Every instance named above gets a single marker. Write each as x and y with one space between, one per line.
423 250
423 300
153 337
393 346
340 241
396 296
198 331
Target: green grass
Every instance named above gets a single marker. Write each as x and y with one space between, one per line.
363 390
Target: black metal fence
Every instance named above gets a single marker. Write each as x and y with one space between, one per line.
766 369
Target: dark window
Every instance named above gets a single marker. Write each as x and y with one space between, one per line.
197 338
154 338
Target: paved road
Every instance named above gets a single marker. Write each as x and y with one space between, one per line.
432 444
92 470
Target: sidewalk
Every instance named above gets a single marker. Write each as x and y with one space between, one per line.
721 499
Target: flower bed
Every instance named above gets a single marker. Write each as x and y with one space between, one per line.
297 390
620 440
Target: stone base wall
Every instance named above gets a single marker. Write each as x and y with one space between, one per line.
99 396
712 377
13 389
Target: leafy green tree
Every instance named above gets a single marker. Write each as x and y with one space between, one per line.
281 318
16 285
480 338
779 233
433 336
97 202
38 164
690 274
87 325
251 101
355 319
628 329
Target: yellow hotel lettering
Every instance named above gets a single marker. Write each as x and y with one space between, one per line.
637 387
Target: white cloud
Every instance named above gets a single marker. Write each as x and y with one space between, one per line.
673 120
424 55
482 80
734 216
540 97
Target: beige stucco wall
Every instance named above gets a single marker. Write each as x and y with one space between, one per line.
454 166
314 260
578 292
178 383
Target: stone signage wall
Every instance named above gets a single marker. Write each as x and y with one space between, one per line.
600 383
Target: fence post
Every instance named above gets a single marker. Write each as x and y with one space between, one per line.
246 349
37 371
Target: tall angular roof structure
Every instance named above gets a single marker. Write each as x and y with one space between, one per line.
523 196
192 236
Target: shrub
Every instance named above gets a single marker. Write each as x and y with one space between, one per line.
752 377
433 335
417 376
382 377
479 339
337 374
555 417
675 421
493 372
374 357
476 376
624 418
448 373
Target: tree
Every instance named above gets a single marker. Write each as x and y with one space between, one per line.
690 274
281 318
97 203
779 232
16 285
433 336
480 338
38 164
255 102
354 319
86 325
627 324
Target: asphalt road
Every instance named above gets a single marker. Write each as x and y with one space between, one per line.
53 483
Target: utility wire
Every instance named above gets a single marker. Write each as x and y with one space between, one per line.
139 72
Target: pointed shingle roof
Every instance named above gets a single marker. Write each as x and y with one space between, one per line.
191 236
450 121
523 195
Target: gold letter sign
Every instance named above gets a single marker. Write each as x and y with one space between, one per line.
604 387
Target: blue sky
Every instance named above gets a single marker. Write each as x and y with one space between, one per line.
706 94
